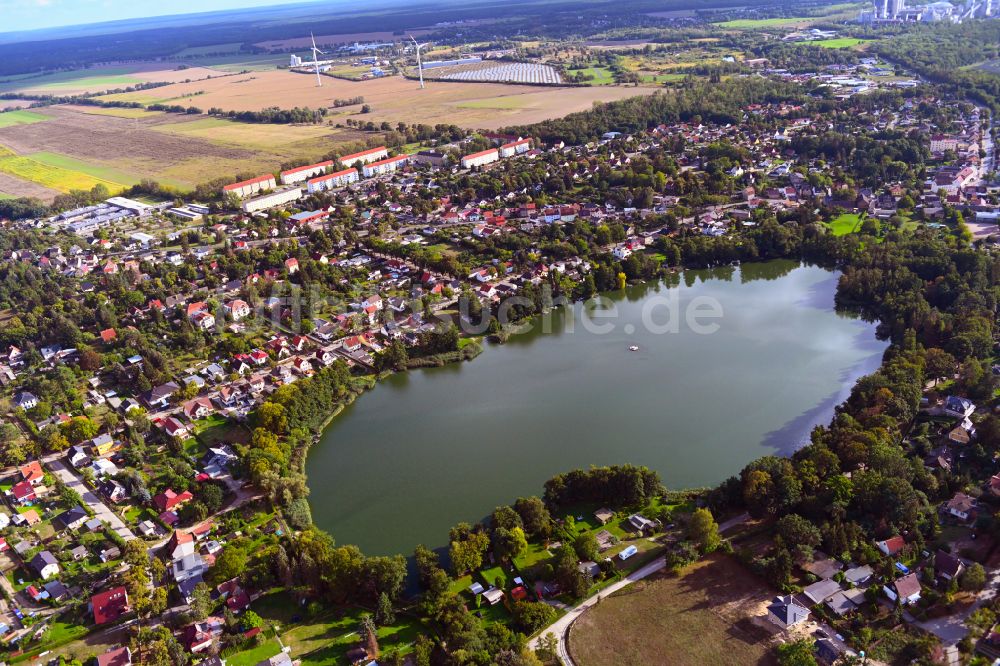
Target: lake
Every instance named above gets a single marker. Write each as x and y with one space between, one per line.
430 448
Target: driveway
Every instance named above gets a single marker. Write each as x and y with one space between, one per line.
91 500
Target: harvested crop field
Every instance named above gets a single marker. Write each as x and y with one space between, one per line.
99 79
653 621
395 99
16 187
78 149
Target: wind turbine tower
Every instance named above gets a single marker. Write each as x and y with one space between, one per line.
316 52
420 65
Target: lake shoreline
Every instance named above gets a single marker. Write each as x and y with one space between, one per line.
697 279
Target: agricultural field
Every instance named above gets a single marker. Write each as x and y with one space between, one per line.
111 111
11 118
75 148
751 24
98 79
713 600
50 176
840 43
844 10
12 104
393 98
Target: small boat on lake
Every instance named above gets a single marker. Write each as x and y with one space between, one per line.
634 348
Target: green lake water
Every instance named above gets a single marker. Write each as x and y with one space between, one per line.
430 448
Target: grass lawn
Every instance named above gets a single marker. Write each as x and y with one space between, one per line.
489 577
11 118
743 24
327 637
460 585
57 633
658 616
251 657
216 430
840 43
844 224
536 553
602 75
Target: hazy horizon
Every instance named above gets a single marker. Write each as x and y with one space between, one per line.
22 15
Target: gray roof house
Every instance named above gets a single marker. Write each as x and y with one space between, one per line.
785 612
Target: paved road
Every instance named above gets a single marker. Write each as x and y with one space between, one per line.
90 499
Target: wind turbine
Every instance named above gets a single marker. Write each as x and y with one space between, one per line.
420 66
316 52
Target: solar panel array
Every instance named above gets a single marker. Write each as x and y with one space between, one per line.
512 72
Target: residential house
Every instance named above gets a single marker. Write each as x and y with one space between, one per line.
905 590
22 493
109 605
947 566
102 444
785 612
32 473
175 428
237 309
891 546
121 656
858 575
71 519
961 506
169 500
45 564
159 396
188 571
641 523
113 490
25 400
180 544
821 591
958 406
198 408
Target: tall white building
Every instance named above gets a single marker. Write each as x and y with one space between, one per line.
896 7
